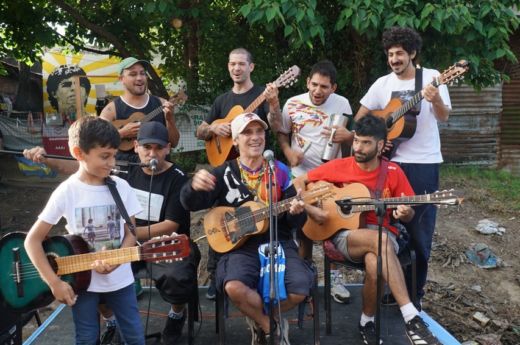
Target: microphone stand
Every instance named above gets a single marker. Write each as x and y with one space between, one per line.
272 252
380 211
69 158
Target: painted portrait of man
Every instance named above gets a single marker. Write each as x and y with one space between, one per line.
62 90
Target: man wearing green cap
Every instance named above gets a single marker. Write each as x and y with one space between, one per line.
132 75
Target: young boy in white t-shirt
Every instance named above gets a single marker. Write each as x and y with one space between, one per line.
83 196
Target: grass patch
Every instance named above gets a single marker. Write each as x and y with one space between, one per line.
492 189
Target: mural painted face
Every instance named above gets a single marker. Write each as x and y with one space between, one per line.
66 96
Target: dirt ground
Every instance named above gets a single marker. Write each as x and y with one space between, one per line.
456 289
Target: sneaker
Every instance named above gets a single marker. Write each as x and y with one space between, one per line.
339 292
277 340
418 332
172 332
211 294
138 287
111 335
369 333
257 333
388 300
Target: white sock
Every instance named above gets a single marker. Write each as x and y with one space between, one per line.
409 312
175 315
365 319
334 274
112 318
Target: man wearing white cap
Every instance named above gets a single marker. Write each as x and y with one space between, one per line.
132 75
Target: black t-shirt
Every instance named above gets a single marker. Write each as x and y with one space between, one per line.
225 102
167 185
124 111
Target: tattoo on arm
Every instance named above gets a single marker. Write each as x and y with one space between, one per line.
275 118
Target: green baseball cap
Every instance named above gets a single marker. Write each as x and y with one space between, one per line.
129 62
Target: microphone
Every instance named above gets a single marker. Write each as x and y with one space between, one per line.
153 164
269 156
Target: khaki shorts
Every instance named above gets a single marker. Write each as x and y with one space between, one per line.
341 240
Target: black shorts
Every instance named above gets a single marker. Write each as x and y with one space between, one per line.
177 280
243 264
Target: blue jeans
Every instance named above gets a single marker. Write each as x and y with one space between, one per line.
424 179
124 304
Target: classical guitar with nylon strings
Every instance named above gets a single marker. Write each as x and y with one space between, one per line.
227 228
219 149
400 122
22 289
355 219
128 143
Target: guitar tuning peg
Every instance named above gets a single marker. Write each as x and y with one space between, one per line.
296 80
286 86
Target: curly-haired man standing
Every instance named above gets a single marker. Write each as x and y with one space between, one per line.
420 156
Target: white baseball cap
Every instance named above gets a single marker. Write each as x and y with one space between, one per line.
241 121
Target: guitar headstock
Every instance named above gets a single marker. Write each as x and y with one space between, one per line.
453 73
319 191
178 97
168 248
448 197
289 77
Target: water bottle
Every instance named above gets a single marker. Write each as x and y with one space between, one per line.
330 151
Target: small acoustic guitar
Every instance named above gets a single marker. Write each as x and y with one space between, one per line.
22 289
128 143
219 149
227 228
400 122
355 218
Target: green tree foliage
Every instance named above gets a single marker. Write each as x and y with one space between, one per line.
476 30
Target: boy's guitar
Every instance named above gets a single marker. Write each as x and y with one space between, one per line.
128 143
400 123
355 219
218 148
227 228
22 289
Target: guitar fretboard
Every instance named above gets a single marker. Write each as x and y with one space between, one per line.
410 103
414 198
83 262
153 114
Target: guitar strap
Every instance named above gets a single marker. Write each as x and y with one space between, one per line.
381 179
418 86
117 198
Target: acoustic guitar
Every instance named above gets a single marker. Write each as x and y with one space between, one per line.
227 228
355 218
400 122
22 289
219 149
128 143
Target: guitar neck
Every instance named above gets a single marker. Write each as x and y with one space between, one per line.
153 114
411 102
415 198
278 208
83 262
252 107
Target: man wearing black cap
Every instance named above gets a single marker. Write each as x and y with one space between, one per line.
132 75
177 280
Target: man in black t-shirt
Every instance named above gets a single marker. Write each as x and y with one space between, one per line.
132 75
243 93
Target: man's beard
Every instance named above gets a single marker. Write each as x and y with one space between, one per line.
404 69
369 156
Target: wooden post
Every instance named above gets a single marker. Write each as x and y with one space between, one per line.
77 90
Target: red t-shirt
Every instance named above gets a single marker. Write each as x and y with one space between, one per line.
345 171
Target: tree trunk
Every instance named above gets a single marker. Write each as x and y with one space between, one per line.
22 102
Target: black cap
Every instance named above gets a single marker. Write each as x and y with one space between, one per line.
152 133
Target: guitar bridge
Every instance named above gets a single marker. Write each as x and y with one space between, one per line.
17 272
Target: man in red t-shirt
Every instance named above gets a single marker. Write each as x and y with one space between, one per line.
361 245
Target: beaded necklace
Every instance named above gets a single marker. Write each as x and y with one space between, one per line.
251 185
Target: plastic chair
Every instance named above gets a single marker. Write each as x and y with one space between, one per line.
406 258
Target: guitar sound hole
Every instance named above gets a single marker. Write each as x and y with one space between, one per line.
51 257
